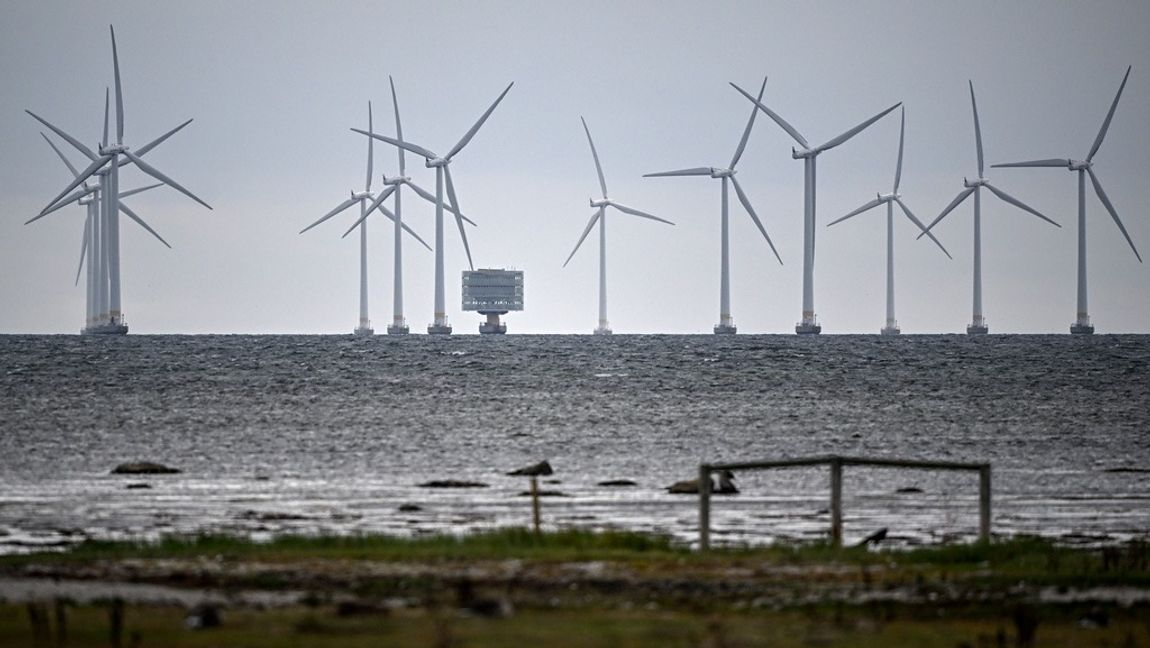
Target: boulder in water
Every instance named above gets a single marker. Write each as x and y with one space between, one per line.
143 468
539 469
618 482
452 483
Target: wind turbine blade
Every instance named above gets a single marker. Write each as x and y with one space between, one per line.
977 129
697 171
1113 213
132 192
83 248
423 193
414 148
595 154
962 195
143 150
1018 203
66 137
107 109
474 129
60 154
870 205
901 138
856 130
747 130
388 213
340 207
81 177
398 126
778 120
119 91
635 212
375 204
1109 116
455 202
1033 163
590 224
155 173
755 217
914 219
131 214
370 149
62 203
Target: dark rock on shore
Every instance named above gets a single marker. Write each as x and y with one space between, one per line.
1126 469
908 489
545 493
410 508
452 483
618 482
143 468
137 486
541 468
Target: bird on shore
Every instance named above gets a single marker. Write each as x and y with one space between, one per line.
691 486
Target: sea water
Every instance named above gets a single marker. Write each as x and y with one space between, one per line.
332 434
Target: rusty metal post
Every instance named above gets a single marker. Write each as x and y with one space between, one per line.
704 507
535 503
984 503
837 502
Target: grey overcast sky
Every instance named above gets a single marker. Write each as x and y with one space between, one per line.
274 87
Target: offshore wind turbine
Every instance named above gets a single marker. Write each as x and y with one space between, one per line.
96 286
439 325
726 324
890 200
809 155
600 216
978 321
1082 325
105 163
395 184
363 198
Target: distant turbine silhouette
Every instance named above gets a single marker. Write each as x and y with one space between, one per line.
1082 325
978 322
890 200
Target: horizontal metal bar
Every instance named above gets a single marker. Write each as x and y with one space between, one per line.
848 461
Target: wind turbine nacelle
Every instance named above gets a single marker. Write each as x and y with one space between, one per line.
886 197
972 185
437 162
722 173
801 155
602 202
396 180
114 149
360 195
1077 165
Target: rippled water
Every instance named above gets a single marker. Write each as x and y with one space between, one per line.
333 433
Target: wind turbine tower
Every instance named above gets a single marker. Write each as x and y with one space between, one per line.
726 323
439 325
978 321
1083 168
809 155
600 217
890 200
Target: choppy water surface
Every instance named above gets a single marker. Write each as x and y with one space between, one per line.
332 434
